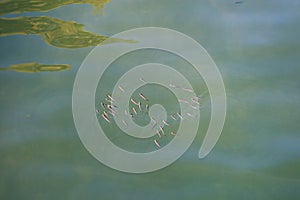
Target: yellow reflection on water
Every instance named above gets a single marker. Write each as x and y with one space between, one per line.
37 67
56 32
19 6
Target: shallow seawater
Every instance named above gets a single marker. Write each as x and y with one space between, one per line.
256 47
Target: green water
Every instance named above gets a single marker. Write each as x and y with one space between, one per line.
256 47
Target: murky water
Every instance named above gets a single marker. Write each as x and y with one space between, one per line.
256 46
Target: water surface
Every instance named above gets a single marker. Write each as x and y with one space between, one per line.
256 46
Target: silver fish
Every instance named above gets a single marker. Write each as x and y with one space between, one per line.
141 79
124 122
121 88
189 114
143 97
183 101
133 101
102 105
173 86
110 97
134 110
158 133
106 118
195 101
162 130
187 89
179 115
166 123
156 143
173 117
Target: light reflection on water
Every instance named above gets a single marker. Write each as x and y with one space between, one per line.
256 47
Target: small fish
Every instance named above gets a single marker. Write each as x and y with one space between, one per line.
179 115
154 124
197 98
173 117
153 119
110 107
147 107
166 123
162 130
141 79
109 96
131 115
201 95
113 106
105 114
124 122
106 118
133 101
122 89
134 110
102 105
156 143
187 89
158 133
111 112
143 97
173 86
97 111
197 102
140 106
108 100
173 133
189 114
183 101
194 107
